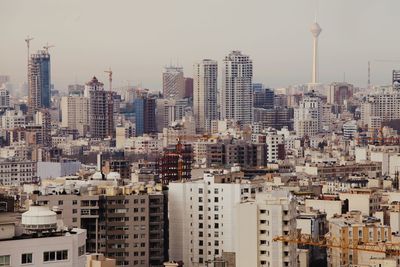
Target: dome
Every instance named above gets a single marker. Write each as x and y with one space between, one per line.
97 176
113 176
39 218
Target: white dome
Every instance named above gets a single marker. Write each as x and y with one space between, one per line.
97 176
113 176
39 218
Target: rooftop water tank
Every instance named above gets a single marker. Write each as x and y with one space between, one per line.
39 218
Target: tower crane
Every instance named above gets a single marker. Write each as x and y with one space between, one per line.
47 47
388 248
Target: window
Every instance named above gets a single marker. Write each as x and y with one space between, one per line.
26 258
74 202
60 202
5 260
58 255
74 211
81 250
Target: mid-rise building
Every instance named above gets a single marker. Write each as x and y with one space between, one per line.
4 98
176 163
339 92
258 221
276 118
39 81
237 95
263 97
145 115
12 119
75 113
17 172
173 82
205 94
308 116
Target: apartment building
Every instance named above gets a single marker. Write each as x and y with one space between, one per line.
16 172
258 221
202 215
129 224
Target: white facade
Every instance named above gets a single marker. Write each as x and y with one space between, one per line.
258 221
57 169
350 129
12 119
205 91
67 250
308 116
173 83
237 94
202 216
17 172
75 113
4 98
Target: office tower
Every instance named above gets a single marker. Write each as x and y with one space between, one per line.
339 92
101 110
188 87
145 115
236 95
175 164
128 224
308 116
381 106
4 98
75 113
396 79
315 31
173 82
39 81
276 118
262 97
170 110
202 215
205 93
258 221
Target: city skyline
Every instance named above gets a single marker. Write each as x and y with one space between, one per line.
275 36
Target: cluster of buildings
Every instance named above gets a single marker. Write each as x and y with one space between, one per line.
215 170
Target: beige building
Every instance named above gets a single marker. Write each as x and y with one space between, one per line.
351 228
98 260
75 113
365 200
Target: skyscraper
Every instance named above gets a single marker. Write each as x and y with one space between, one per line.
101 112
205 94
39 81
237 94
308 116
173 82
145 115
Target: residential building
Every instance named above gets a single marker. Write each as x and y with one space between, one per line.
75 113
205 94
17 172
263 97
4 98
237 95
258 221
175 164
12 119
276 118
308 116
339 92
202 215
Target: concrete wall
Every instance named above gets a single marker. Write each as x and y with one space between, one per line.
56 169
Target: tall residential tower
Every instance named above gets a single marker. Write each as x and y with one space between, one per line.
237 93
205 92
39 81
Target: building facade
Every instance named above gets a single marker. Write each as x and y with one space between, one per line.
39 81
173 82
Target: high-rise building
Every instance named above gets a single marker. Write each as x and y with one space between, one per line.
258 221
205 94
188 87
39 81
396 79
170 110
308 116
76 89
202 215
173 82
145 115
4 98
75 113
339 92
237 94
101 109
263 97
315 31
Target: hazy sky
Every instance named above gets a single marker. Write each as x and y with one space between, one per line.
138 38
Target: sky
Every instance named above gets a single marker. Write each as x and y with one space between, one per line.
138 38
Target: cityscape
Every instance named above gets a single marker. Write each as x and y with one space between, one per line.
207 165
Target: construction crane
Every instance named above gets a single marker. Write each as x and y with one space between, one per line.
27 41
388 248
47 47
110 73
378 61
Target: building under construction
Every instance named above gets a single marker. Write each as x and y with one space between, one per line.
176 163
